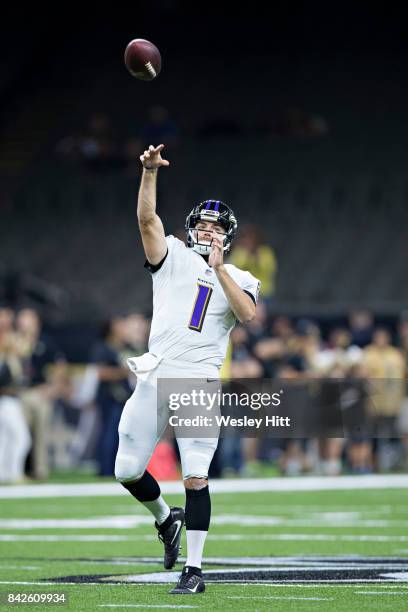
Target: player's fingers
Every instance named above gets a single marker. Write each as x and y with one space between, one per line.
151 148
164 162
160 147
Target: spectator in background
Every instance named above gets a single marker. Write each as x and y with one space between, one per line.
41 386
252 254
403 339
160 127
355 402
243 364
361 323
97 147
293 460
283 346
136 330
339 352
258 327
15 440
385 367
403 418
330 421
240 455
113 390
325 395
6 321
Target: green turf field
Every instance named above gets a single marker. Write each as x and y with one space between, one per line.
289 551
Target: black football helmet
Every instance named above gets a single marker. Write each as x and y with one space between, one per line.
210 210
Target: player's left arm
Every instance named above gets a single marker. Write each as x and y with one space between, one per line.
241 304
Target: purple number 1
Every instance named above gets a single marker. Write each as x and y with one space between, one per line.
200 307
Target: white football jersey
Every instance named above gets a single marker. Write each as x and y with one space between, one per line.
192 318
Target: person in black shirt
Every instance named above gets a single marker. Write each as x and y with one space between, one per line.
113 390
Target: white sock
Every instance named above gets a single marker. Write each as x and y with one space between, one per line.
158 508
195 546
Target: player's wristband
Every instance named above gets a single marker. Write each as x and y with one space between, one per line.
150 169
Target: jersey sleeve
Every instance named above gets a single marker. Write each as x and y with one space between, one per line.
250 285
173 245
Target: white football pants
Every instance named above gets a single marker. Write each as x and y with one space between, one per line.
143 423
15 440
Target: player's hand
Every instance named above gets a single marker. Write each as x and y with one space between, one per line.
216 258
152 158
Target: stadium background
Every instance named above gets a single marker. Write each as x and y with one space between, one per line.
297 119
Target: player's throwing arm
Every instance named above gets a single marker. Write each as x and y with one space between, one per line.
151 227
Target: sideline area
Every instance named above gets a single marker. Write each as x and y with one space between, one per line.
244 485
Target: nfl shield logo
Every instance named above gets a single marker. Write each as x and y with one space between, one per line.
208 272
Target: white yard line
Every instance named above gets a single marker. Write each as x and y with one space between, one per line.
231 537
306 483
403 576
131 521
381 593
279 597
20 567
285 585
75 538
98 522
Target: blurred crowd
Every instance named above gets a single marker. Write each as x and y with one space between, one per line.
369 365
100 147
55 414
58 414
52 413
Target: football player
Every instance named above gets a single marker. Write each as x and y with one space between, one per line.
197 299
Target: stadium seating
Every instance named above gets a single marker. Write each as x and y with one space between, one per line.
333 207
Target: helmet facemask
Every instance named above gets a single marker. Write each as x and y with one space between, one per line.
203 247
216 212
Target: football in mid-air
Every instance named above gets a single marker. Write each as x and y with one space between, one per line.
143 59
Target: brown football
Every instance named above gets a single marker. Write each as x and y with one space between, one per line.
143 59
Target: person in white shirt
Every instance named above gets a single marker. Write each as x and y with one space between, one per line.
197 299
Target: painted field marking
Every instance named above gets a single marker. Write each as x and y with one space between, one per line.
231 537
252 584
19 567
144 606
381 593
279 597
403 576
244 485
98 522
75 538
280 562
131 521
